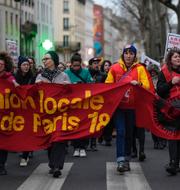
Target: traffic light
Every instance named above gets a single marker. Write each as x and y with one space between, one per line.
47 44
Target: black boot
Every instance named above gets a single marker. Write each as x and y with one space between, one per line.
134 154
171 168
108 143
156 145
142 156
56 173
3 171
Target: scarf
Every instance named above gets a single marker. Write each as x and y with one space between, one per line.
50 74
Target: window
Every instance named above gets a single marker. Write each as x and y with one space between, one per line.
26 16
11 23
43 12
65 41
7 23
66 23
66 6
32 3
17 24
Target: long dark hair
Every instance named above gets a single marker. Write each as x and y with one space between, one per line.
169 55
7 60
103 63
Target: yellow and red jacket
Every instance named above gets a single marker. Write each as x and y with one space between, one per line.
119 72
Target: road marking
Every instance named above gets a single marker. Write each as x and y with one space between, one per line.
41 180
134 179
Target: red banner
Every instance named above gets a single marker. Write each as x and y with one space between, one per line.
33 116
162 118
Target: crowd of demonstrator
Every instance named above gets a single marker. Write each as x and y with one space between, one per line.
123 122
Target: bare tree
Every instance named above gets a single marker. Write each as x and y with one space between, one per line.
150 18
175 8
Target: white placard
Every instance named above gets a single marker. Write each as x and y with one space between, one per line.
148 61
173 41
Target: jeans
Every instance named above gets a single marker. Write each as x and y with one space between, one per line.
124 121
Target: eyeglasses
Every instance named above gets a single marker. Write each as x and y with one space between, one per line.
45 59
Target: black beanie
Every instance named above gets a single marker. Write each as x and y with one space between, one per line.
76 57
21 60
54 57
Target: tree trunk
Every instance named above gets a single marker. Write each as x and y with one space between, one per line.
178 18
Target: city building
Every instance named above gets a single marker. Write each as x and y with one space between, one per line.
108 33
43 13
28 29
89 22
98 30
9 30
69 27
17 21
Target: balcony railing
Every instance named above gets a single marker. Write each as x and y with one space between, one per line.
29 29
71 46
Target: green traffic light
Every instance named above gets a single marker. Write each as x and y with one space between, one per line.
47 44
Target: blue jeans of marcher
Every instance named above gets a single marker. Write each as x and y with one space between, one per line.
124 121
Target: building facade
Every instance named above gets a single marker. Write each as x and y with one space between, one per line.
9 30
28 29
18 30
45 26
108 33
89 44
69 27
98 30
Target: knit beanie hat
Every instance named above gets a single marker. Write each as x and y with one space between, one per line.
54 57
130 48
22 59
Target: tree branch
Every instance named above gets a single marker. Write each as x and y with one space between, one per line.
131 10
169 4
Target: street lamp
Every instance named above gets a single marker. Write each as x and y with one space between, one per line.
47 44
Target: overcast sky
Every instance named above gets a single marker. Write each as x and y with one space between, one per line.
103 2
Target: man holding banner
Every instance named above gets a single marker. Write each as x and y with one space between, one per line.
127 70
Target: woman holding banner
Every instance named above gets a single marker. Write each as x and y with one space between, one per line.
24 75
168 87
51 74
127 70
6 65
